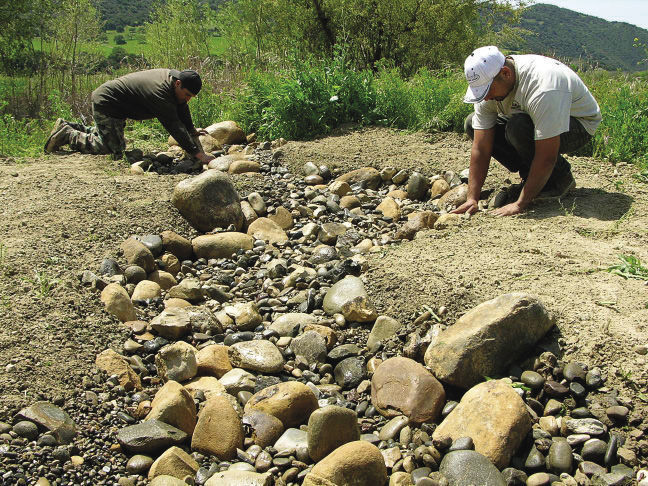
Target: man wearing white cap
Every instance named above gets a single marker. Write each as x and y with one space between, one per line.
529 109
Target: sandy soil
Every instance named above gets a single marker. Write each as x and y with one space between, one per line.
60 215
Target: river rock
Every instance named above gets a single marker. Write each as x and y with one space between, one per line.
267 230
349 298
311 346
213 360
350 372
494 416
366 177
226 133
243 166
188 289
115 364
177 245
291 402
283 218
221 245
257 355
384 328
173 323
174 405
136 253
439 188
219 430
357 463
559 459
292 440
485 340
239 478
51 418
174 462
208 201
339 188
245 315
290 324
208 385
118 303
266 428
330 427
176 362
470 467
390 209
149 437
454 197
417 186
401 386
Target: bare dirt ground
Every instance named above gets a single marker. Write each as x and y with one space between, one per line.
60 215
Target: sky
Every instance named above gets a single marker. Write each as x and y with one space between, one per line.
631 11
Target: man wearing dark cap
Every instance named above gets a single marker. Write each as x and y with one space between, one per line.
528 111
156 93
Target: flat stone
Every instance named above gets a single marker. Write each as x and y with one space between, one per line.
150 437
470 467
52 418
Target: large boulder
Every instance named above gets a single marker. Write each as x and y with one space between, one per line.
290 401
401 386
329 428
221 245
208 201
226 133
487 339
366 177
357 463
118 303
494 416
219 430
115 364
174 405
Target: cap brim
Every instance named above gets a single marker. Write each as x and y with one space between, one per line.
477 94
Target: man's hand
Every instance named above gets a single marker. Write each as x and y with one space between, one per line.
510 209
470 207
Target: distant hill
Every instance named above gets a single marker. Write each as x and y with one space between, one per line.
566 34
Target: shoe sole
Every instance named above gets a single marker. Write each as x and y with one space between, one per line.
60 123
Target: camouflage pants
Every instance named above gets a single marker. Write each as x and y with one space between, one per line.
105 137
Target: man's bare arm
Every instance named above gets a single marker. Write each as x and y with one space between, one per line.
546 154
480 155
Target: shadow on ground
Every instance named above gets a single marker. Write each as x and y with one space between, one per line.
584 203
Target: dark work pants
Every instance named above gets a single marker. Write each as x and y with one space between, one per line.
514 145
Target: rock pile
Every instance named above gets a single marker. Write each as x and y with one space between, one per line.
256 357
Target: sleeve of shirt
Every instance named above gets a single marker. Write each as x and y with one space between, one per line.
550 113
485 115
173 124
185 117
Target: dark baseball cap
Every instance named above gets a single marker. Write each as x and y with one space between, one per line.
190 80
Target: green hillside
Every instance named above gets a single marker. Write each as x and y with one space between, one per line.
566 34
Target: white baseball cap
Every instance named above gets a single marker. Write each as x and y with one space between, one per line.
480 69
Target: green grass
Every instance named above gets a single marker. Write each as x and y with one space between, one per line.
630 267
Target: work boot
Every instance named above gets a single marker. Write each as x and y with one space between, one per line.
557 187
59 138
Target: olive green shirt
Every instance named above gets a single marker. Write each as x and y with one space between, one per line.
148 94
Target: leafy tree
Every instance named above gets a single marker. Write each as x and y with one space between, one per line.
119 40
408 33
20 21
178 32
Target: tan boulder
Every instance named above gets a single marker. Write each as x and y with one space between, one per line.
390 208
233 477
175 303
173 323
494 416
327 333
439 188
249 213
173 462
243 166
115 364
487 339
226 133
177 245
146 289
349 202
136 253
173 405
208 385
165 280
176 362
329 428
366 177
397 194
283 218
339 188
447 220
118 303
213 360
291 402
401 386
454 197
357 463
219 430
266 428
266 229
221 245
